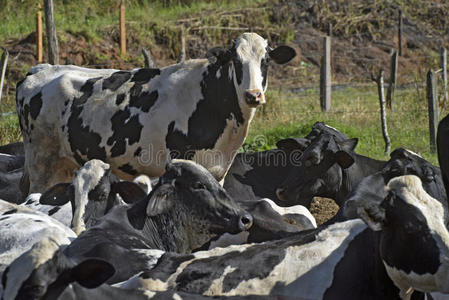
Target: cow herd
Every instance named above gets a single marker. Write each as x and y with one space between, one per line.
128 185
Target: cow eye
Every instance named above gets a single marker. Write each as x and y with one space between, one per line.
198 186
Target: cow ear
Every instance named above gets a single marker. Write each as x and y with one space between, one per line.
349 144
92 273
291 144
282 54
59 194
129 191
344 159
161 199
372 214
219 55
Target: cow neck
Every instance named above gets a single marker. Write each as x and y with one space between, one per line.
363 166
161 231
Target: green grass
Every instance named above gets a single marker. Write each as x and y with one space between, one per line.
355 112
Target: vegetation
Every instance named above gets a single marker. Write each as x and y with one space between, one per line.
157 23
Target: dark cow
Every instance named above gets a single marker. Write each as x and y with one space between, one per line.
91 194
328 168
402 162
258 175
404 246
10 185
182 213
15 149
199 110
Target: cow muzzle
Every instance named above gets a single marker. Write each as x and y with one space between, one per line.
254 98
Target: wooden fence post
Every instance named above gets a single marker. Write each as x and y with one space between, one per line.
383 114
53 50
444 70
122 28
39 50
182 55
3 64
433 109
325 77
393 77
400 32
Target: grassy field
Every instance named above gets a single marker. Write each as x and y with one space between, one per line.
355 112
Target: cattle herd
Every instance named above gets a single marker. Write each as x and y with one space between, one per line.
128 185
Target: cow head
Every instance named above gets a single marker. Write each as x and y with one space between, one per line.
319 171
92 193
414 241
195 204
43 272
249 57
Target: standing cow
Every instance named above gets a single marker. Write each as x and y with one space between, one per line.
134 120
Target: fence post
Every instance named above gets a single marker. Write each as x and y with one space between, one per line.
53 50
3 64
433 109
325 77
182 55
444 69
383 114
400 32
393 77
39 52
122 28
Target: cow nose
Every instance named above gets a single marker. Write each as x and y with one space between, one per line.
253 97
280 193
245 222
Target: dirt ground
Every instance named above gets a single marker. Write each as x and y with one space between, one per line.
323 209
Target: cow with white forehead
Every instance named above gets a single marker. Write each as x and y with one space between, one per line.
135 120
402 246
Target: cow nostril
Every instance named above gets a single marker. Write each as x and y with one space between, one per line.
246 221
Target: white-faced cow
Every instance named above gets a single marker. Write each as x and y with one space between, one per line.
91 194
134 120
183 212
404 248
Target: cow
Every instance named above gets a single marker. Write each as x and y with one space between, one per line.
135 120
270 222
403 239
44 272
10 185
257 175
21 227
91 194
402 162
185 210
327 168
15 149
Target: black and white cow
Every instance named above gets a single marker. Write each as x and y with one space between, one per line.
328 168
198 109
402 162
91 194
15 149
21 227
44 272
404 241
183 212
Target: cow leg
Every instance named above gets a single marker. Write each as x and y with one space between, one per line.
46 167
